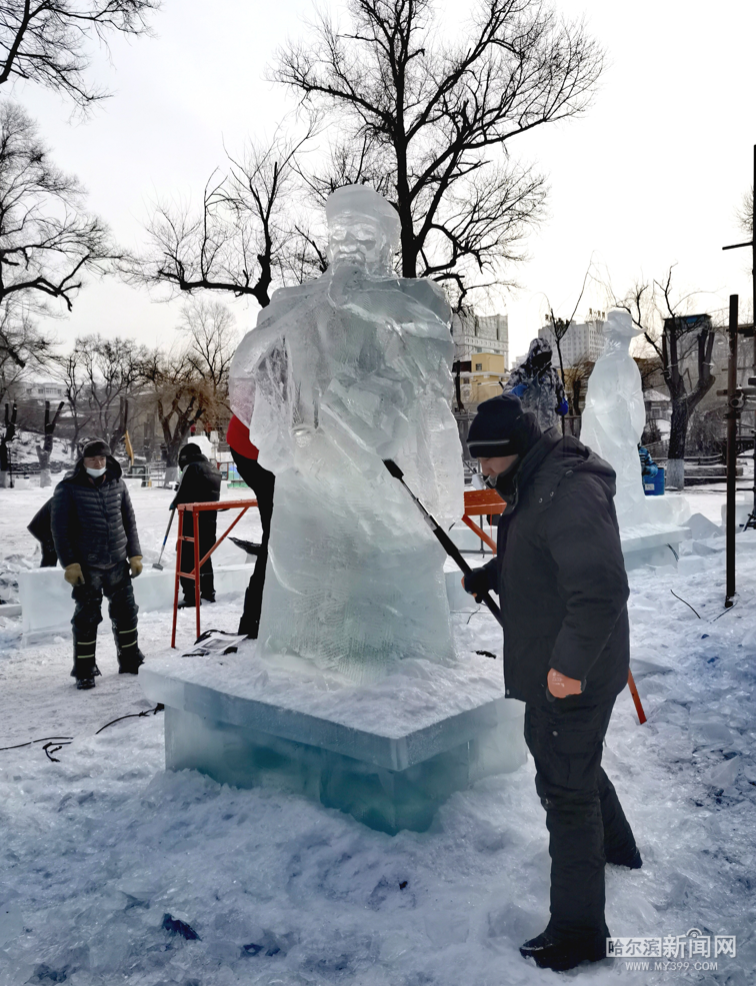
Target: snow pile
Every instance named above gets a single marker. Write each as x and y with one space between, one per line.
107 862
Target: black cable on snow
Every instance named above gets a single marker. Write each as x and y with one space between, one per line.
50 742
133 715
686 603
45 739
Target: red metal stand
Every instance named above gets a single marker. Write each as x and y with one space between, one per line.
482 503
196 509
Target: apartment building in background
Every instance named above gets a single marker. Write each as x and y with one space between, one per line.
480 334
583 341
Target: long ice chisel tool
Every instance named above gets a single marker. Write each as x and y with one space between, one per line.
446 542
157 564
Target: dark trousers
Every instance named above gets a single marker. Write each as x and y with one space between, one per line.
115 583
583 815
262 483
207 534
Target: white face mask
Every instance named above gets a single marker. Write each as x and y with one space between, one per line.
96 473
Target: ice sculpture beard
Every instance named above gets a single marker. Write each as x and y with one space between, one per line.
359 241
341 373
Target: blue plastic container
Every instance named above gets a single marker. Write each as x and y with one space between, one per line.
654 485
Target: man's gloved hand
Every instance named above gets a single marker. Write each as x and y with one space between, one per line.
519 390
561 686
73 574
136 565
476 583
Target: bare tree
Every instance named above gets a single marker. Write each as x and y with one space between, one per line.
47 41
113 369
575 383
744 214
11 416
47 241
44 451
212 343
181 397
684 341
240 239
22 346
70 370
436 118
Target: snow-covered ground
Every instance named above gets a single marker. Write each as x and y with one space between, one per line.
100 844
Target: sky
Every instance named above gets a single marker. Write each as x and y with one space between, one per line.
650 176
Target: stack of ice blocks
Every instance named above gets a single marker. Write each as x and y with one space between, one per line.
388 754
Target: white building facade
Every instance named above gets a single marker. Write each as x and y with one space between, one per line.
44 390
582 341
480 334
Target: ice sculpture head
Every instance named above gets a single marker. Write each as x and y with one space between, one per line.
619 325
363 228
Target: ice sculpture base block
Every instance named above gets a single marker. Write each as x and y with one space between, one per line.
647 544
388 754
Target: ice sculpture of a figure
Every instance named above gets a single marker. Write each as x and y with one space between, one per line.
538 385
615 416
339 374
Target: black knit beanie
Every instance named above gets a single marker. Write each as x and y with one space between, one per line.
502 427
96 447
190 453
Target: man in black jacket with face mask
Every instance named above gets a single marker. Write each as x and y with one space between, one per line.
95 535
560 576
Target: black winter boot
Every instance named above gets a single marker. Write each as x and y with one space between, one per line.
564 953
84 668
632 861
207 587
85 671
129 656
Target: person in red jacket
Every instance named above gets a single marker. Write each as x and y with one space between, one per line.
261 482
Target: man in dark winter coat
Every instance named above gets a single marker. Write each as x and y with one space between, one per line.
96 539
200 483
41 528
561 579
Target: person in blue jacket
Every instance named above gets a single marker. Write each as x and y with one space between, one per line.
648 466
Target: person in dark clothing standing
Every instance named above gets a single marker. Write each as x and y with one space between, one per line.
262 483
95 536
560 576
41 528
200 483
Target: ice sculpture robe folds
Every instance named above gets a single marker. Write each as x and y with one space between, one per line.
340 374
615 416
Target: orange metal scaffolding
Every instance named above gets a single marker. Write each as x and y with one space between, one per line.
195 509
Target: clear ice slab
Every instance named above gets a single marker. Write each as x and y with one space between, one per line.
388 753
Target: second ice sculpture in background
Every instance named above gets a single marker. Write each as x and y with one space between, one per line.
339 374
615 416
